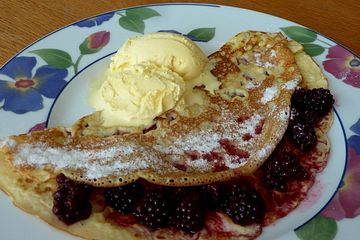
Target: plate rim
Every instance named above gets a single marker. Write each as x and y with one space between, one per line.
200 5
170 4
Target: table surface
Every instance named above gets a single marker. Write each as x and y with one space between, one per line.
23 22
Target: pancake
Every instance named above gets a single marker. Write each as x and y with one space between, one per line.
244 121
258 74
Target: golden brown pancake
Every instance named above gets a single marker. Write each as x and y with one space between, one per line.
244 122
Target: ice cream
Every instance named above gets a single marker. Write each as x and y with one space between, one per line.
137 94
170 50
147 77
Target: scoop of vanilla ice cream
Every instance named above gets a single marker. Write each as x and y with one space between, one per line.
170 50
137 94
148 76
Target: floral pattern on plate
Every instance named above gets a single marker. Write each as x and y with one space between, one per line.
95 21
25 91
346 203
62 60
24 85
343 65
197 35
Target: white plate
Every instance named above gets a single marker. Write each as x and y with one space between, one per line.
51 89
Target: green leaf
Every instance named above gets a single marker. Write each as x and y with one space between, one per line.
320 228
55 57
203 34
313 49
300 34
133 23
84 49
142 13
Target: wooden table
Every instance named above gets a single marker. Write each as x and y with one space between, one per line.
23 22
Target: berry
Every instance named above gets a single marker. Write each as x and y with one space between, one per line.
123 199
189 214
246 210
281 167
243 204
304 117
211 194
319 100
303 136
155 209
71 200
311 105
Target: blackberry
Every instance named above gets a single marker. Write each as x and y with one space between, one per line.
312 104
319 100
232 189
123 199
155 209
189 213
212 195
71 200
303 136
304 117
277 184
298 98
280 168
246 210
243 204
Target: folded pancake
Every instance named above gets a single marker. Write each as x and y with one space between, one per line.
243 123
240 127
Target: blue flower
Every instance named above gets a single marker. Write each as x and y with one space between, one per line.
25 93
346 202
95 21
354 140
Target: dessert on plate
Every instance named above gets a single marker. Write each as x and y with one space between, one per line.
182 145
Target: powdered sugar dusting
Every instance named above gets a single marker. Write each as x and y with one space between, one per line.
272 53
268 65
234 162
250 85
291 84
219 143
95 164
264 152
260 63
205 141
7 142
199 164
249 125
269 94
257 59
